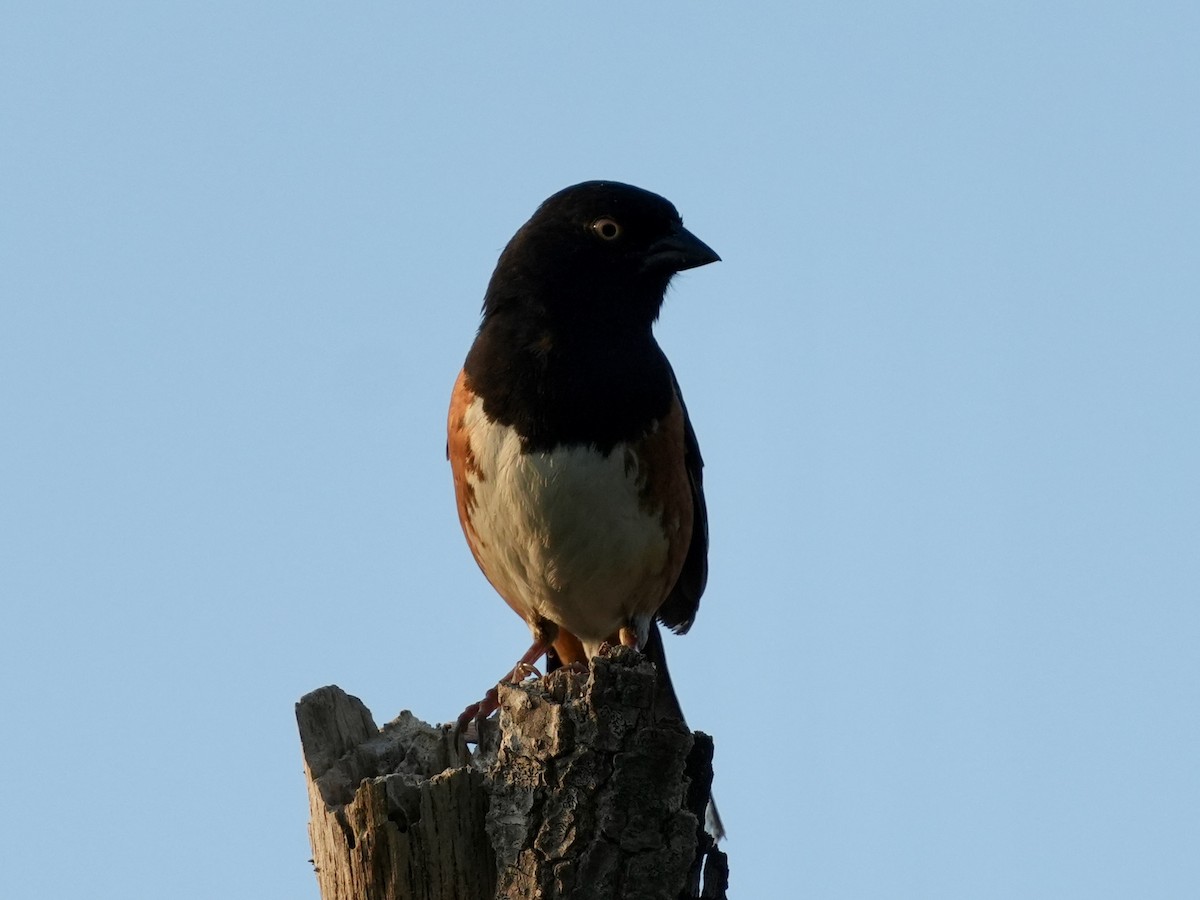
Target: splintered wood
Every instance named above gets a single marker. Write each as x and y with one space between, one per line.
581 794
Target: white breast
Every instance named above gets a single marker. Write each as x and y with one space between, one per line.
563 534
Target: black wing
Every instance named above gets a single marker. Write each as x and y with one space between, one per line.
679 609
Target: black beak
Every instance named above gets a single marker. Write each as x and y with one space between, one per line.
678 251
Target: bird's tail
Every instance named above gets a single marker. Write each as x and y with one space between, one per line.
666 705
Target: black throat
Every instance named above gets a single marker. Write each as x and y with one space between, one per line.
586 385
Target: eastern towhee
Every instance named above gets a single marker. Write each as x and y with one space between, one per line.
576 469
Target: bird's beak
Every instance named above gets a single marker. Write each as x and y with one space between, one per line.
678 251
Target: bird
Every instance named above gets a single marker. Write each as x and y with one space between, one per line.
577 472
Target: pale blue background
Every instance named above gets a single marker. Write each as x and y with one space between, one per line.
946 382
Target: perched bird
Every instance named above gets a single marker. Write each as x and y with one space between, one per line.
576 469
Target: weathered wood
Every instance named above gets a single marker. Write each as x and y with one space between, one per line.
389 818
580 794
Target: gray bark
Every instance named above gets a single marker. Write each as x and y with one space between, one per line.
577 792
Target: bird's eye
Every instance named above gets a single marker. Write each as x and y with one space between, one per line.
606 228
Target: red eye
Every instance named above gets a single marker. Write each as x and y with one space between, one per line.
606 228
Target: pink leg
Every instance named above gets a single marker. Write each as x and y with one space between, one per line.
491 700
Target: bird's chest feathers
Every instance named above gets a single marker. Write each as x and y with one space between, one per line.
581 537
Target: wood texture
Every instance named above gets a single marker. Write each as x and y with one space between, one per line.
577 793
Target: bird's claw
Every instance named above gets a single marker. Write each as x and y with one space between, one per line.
522 671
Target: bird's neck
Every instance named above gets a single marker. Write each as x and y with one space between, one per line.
570 385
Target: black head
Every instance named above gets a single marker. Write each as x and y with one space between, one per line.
598 255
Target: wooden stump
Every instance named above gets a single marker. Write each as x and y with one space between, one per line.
577 793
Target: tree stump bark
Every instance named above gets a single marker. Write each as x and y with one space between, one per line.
577 792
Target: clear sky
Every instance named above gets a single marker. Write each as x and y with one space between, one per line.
946 381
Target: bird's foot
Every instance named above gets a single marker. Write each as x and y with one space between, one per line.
491 700
466 724
521 671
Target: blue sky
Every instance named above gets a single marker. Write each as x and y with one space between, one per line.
945 380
